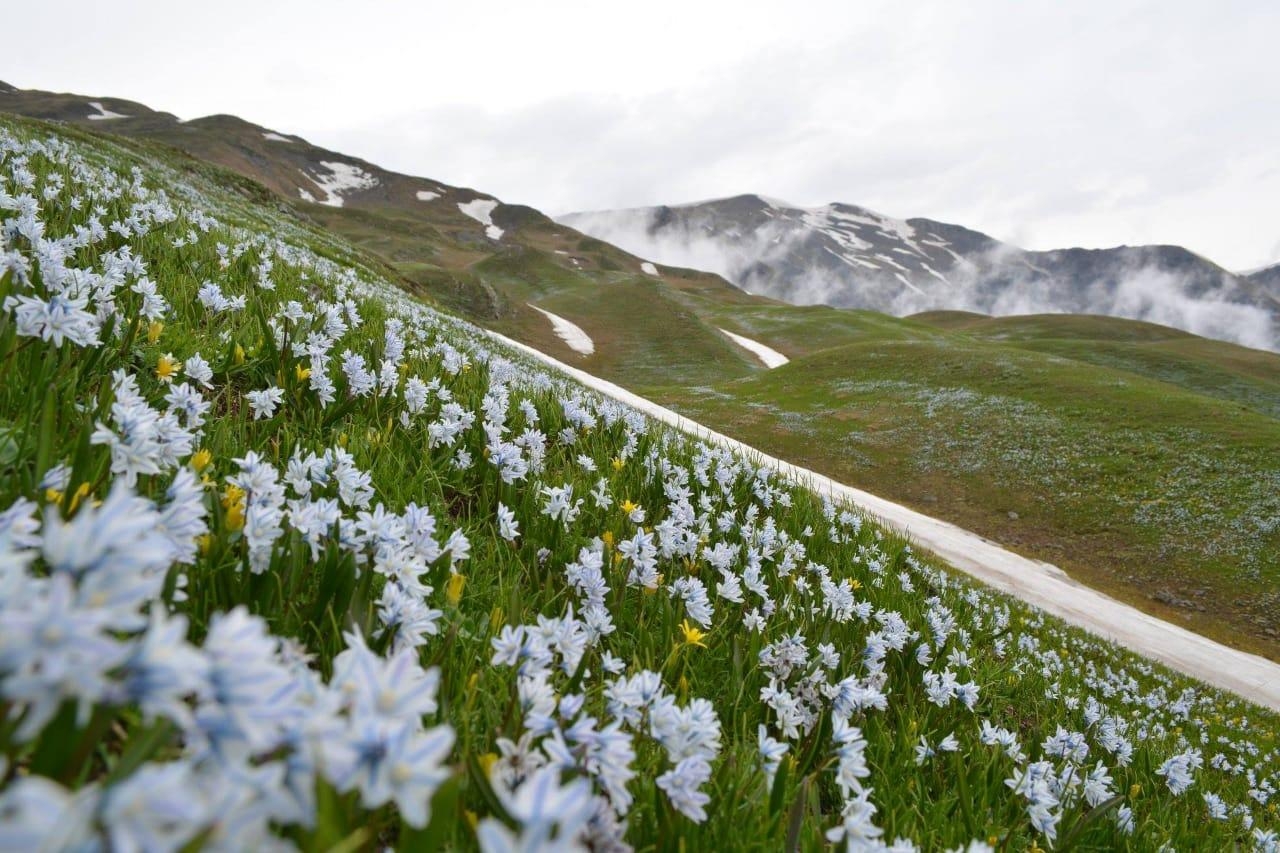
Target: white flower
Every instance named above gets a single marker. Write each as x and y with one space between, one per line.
681 785
264 402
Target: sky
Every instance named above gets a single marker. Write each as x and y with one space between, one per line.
1043 124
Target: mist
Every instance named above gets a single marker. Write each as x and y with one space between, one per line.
1000 282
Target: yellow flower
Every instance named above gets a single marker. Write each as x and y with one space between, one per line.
239 355
53 496
82 492
233 503
628 507
168 367
857 584
495 618
200 460
203 541
607 538
342 439
453 589
1134 791
618 463
303 373
154 330
693 636
487 761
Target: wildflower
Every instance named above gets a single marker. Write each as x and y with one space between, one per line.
391 761
201 459
633 511
770 752
233 501
199 371
264 402
154 329
550 815
692 636
167 367
681 787
508 527
301 373
453 589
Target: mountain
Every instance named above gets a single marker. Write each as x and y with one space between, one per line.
503 265
849 256
1267 277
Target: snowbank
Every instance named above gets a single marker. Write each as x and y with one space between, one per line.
572 334
481 210
769 356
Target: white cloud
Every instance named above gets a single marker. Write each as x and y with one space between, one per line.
1091 123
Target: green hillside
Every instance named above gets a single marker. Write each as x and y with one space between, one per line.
1140 458
289 559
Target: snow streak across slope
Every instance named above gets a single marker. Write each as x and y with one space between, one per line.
768 356
571 333
1038 583
852 257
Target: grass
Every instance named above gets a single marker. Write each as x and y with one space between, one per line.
169 769
1135 485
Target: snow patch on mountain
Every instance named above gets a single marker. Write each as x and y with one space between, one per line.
768 356
342 178
103 114
648 268
851 257
427 195
275 137
481 210
571 333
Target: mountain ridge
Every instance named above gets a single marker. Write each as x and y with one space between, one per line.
846 255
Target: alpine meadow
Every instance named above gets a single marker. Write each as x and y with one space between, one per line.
352 507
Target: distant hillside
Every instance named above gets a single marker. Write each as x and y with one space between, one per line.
495 262
848 256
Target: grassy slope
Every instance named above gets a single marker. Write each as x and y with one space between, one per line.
1127 476
946 802
1119 483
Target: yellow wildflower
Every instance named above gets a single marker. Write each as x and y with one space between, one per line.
1134 790
607 538
693 636
239 355
233 503
82 492
203 541
453 589
201 459
53 496
487 761
618 463
303 373
168 367
154 330
628 507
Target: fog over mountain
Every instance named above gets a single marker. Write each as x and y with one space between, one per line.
848 256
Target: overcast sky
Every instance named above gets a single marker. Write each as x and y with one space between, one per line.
1044 124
